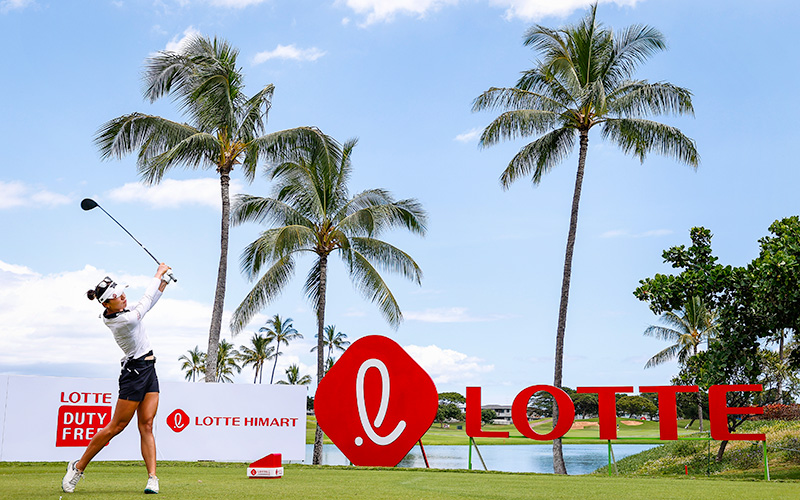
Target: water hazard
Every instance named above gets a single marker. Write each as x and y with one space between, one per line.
579 458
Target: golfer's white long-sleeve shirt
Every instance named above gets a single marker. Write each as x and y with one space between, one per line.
127 325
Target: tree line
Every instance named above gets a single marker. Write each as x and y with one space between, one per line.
265 346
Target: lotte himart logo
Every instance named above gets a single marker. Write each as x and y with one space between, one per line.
376 402
178 420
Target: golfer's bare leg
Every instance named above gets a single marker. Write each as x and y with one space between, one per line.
146 414
123 414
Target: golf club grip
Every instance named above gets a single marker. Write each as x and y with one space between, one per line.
173 278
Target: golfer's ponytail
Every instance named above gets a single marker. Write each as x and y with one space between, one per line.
99 290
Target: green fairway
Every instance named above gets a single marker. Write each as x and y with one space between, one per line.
211 481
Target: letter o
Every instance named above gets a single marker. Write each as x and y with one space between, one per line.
566 412
74 397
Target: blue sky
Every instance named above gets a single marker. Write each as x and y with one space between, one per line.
400 75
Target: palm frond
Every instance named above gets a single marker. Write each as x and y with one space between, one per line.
253 115
555 95
123 135
540 156
265 290
632 46
663 333
639 137
514 124
313 284
388 257
372 286
516 98
662 357
285 145
274 245
639 98
380 213
197 150
164 71
247 208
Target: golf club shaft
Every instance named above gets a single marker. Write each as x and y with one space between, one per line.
137 241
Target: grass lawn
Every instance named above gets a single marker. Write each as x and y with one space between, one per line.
212 481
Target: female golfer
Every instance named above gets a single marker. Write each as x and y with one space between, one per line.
138 383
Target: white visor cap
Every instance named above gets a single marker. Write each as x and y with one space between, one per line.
112 292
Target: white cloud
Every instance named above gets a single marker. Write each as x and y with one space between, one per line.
17 270
470 136
385 10
622 233
446 365
235 4
447 315
533 10
171 193
9 5
177 44
63 328
17 194
376 11
289 52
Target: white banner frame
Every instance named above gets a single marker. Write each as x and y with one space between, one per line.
52 418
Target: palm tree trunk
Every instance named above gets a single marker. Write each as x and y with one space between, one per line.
323 282
559 467
274 365
699 400
219 296
780 364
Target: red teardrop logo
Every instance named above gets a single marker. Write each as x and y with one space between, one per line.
178 420
376 402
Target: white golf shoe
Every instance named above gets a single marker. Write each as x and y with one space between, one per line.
152 485
71 478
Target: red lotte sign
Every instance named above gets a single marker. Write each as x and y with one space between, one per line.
376 402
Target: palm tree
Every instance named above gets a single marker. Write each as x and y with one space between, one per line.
226 129
279 331
329 364
257 355
193 363
293 377
584 79
687 330
312 212
226 362
333 340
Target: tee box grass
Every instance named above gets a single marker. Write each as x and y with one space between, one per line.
216 481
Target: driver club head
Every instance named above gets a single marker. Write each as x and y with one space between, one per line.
88 204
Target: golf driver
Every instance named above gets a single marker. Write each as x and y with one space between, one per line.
89 204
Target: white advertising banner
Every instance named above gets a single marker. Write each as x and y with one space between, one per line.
54 418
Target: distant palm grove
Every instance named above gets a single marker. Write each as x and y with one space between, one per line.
717 320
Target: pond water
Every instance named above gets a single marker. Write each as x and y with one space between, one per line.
579 458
